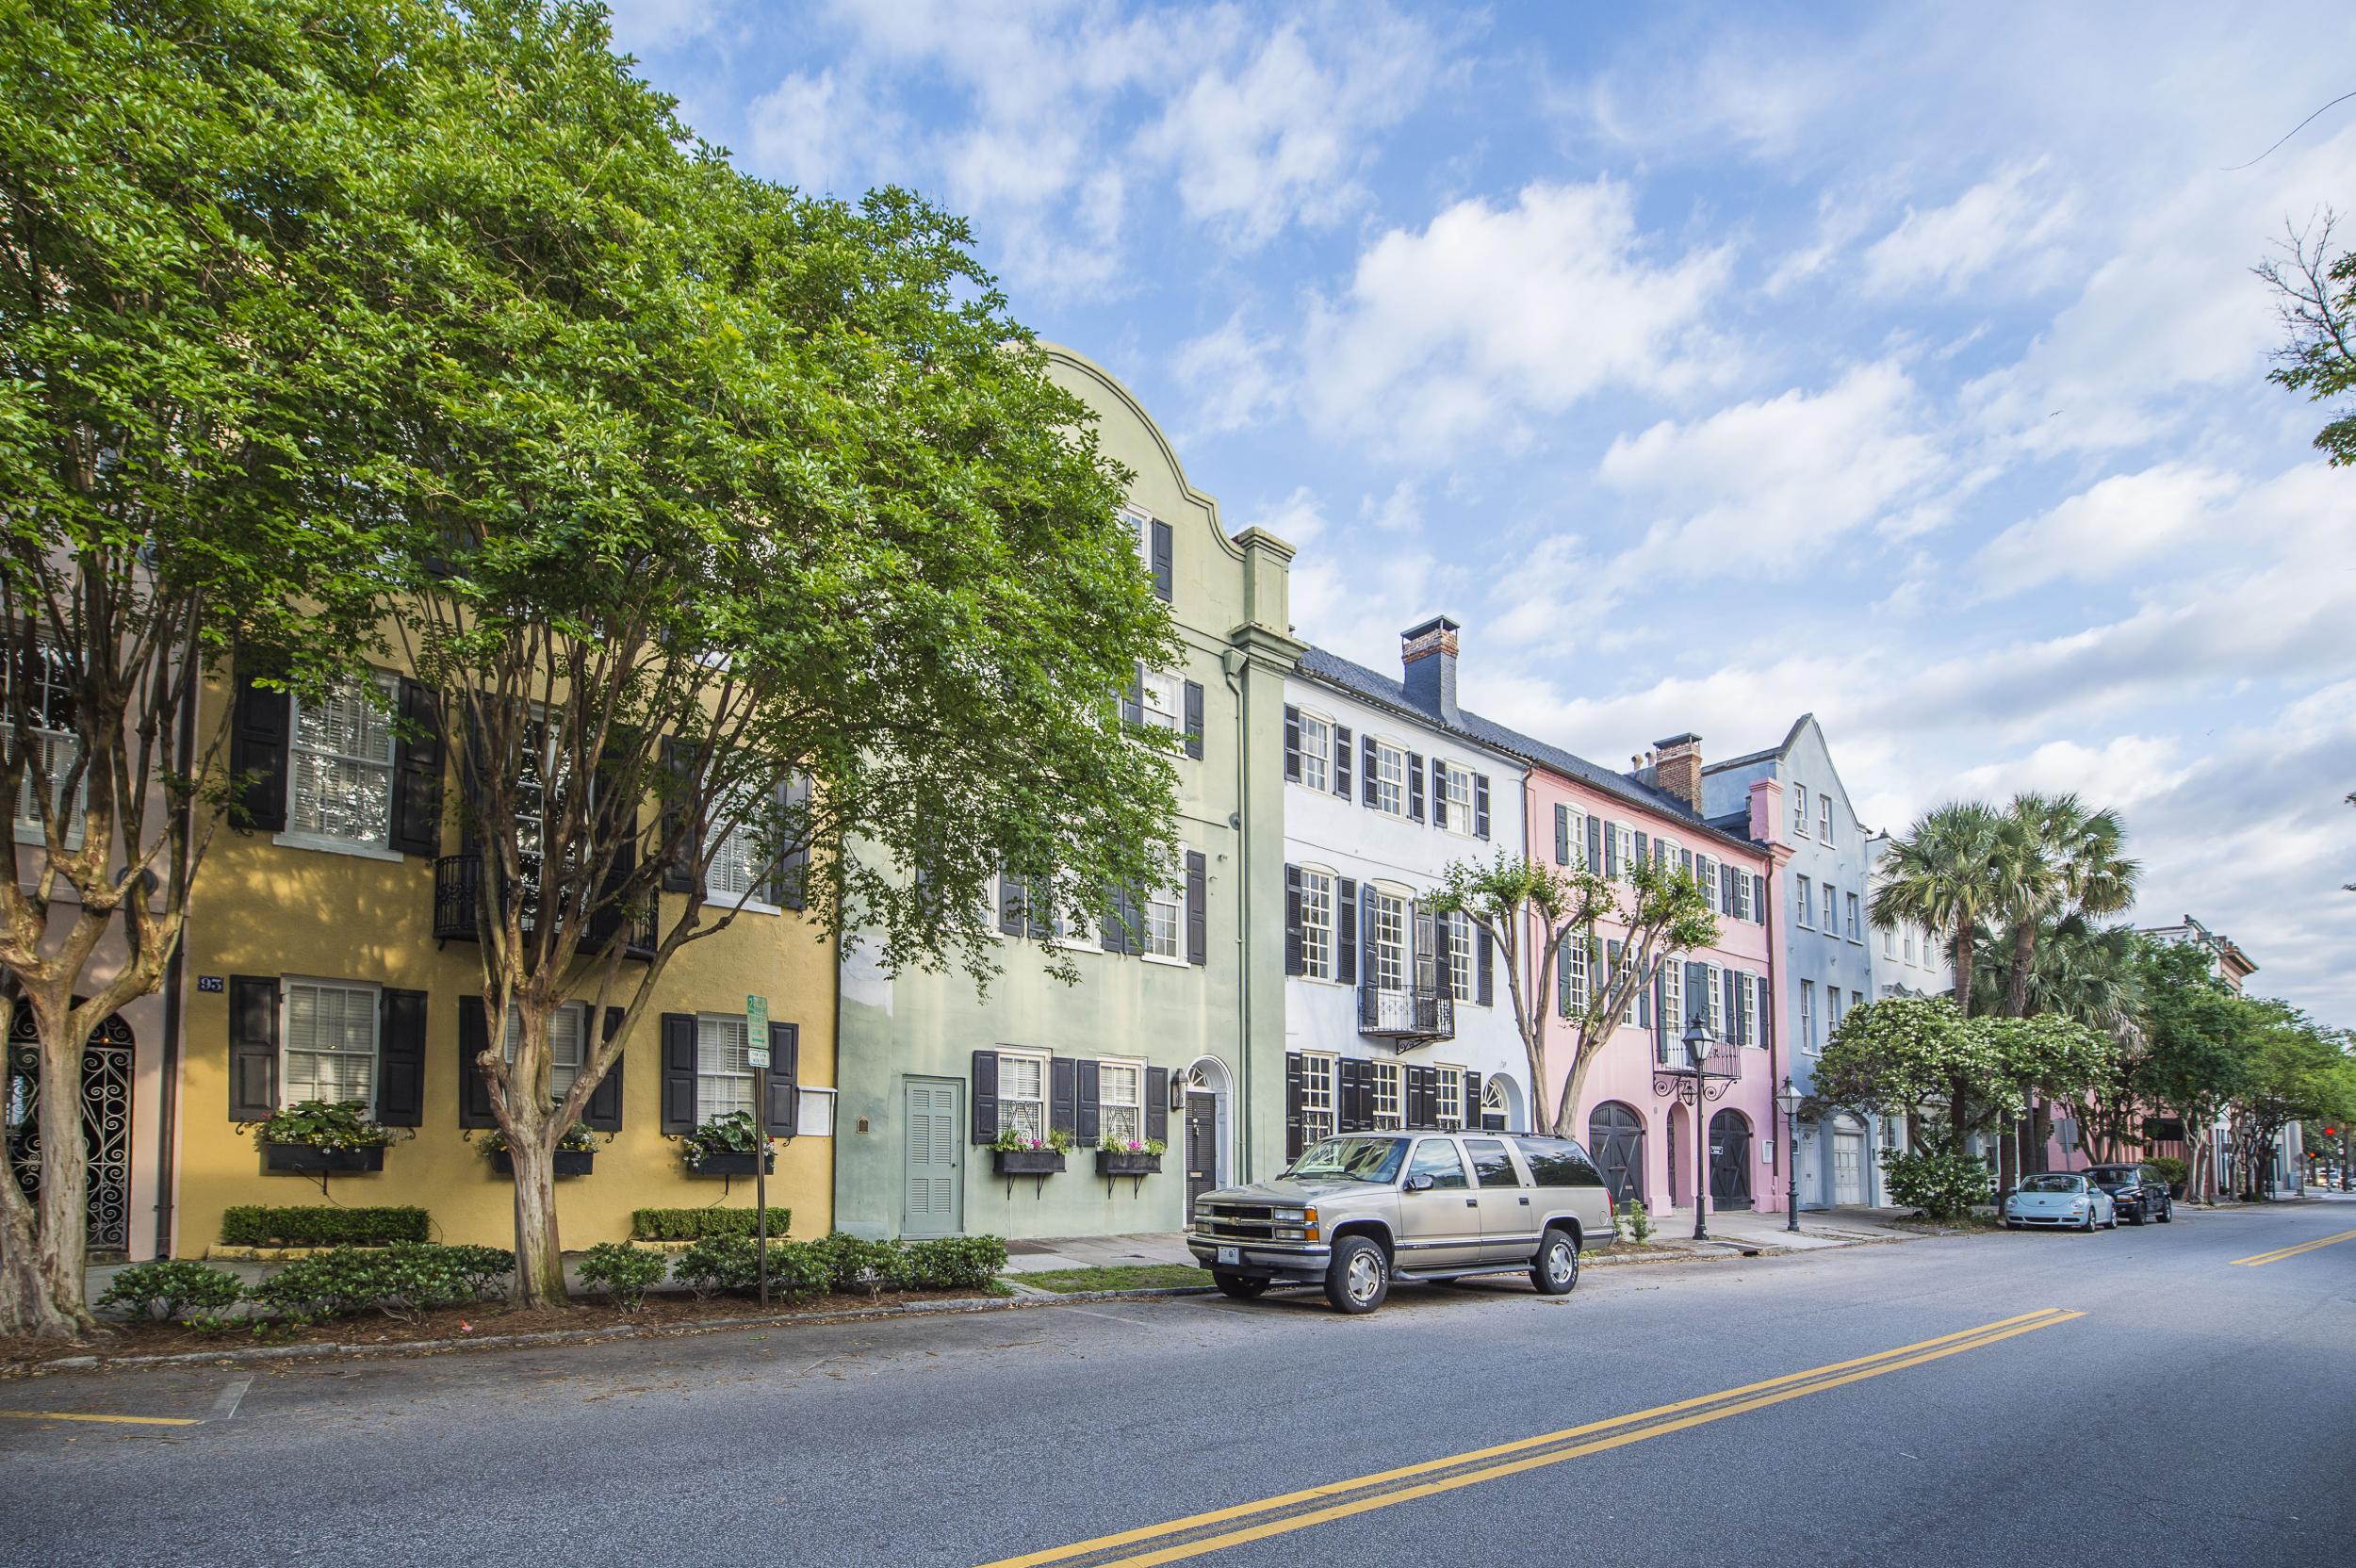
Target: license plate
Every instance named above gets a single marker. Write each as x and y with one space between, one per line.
1231 1255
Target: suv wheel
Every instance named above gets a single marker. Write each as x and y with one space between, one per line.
1241 1286
1359 1275
1556 1272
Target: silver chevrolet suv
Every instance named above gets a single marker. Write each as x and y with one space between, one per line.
1355 1212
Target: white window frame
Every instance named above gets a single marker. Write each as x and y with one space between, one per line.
1316 761
1162 699
736 848
1713 976
1319 894
1175 900
1824 818
1612 970
380 847
708 1107
1706 873
1107 1068
1573 954
374 995
1320 1091
1746 1010
1855 935
1807 904
1390 779
1741 910
1460 808
1909 941
1141 529
1041 1062
1463 950
1390 974
1624 839
1450 1117
1667 854
562 1073
1889 942
1388 1081
1673 995
1808 1016
58 750
1799 810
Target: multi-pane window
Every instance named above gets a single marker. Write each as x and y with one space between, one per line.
1715 1002
1666 853
1909 941
1706 873
1120 1098
1574 835
1832 1010
1164 699
1574 961
1672 997
49 702
1824 818
1450 1117
1808 1015
1857 999
1799 810
1615 955
1390 1096
736 865
1745 1010
1388 912
1889 942
1624 837
1390 779
1165 916
566 1037
1741 910
1316 924
1317 752
1023 1093
724 1069
1317 1097
1807 902
1456 788
339 765
331 1043
1461 953
1853 915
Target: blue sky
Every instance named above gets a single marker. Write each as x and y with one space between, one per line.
1712 366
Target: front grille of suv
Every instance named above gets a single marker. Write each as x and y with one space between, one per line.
1234 1221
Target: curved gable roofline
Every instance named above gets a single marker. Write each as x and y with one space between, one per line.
1118 392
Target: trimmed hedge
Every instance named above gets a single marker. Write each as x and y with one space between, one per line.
694 1224
321 1225
840 1263
169 1287
403 1279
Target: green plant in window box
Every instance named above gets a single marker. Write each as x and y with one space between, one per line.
1012 1140
317 1137
1119 1157
726 1145
576 1149
1112 1145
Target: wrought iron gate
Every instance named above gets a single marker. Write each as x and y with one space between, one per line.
105 1123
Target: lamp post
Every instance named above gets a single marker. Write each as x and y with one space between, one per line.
1697 1052
1789 1103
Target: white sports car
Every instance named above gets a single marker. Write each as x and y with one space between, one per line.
2059 1198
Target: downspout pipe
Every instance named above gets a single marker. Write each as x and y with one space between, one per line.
1232 664
168 1087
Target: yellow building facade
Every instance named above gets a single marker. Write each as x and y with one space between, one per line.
313 969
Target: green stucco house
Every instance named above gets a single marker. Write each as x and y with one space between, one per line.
1181 1041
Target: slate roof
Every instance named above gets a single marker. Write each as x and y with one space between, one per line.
1749 757
1388 692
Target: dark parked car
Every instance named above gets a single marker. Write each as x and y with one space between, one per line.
2141 1192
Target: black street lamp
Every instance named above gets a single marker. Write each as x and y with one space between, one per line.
1789 1103
1697 1053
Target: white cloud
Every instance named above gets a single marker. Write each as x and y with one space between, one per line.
1400 512
1490 317
2116 525
824 133
2012 220
1232 376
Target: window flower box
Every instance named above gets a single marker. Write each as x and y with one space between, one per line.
569 1161
1122 1162
731 1162
311 1159
1026 1162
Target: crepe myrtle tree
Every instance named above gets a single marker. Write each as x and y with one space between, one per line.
749 553
1918 1057
1534 912
174 352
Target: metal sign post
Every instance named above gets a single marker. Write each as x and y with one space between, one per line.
757 1052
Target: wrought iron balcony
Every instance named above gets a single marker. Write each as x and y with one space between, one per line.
458 903
1723 1061
1407 1018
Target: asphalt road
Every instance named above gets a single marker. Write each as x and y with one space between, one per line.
2128 1398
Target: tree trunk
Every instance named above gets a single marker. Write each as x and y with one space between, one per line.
45 1247
539 1255
1566 1119
1963 968
2024 956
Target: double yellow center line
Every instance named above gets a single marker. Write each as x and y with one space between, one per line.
2282 1252
1202 1533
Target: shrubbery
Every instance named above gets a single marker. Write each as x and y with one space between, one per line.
2174 1171
955 1263
404 1279
622 1271
1943 1187
840 1263
692 1224
320 1225
171 1287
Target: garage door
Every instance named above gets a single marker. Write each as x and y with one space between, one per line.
1848 1167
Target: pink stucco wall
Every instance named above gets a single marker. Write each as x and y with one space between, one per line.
1624 1069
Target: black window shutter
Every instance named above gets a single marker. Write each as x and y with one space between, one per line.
1132 700
1198 914
1296 956
1485 957
1011 904
1561 835
1427 1096
785 1087
1346 1094
1645 1008
417 775
1610 850
1759 900
1162 574
1685 861
603 1114
985 1095
679 1072
1292 1106
1766 1014
1415 786
474 1090
1086 1101
1439 794
1038 910
1472 1099
1643 848
1730 1019
1595 843
253 1047
1063 1095
1194 719
401 1058
1292 742
1562 977
789 882
1345 932
1367 931
1480 806
1726 888
1157 1103
678 871
1366 757
257 757
1341 760
1696 994
1360 1075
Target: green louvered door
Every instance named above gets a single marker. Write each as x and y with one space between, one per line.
932 1179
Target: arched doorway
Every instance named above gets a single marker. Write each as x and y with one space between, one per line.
105 1094
1849 1168
1730 1160
1205 1136
1615 1136
1502 1106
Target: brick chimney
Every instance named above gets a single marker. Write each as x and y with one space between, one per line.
1426 656
1678 766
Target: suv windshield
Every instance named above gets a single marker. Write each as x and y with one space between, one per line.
1352 1159
2052 1183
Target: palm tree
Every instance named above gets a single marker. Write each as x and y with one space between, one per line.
2054 860
1943 875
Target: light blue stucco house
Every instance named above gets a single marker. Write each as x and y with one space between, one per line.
1827 963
